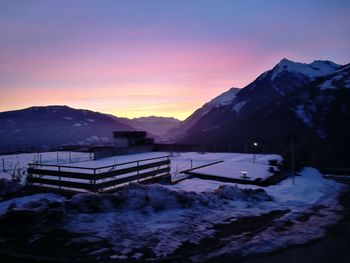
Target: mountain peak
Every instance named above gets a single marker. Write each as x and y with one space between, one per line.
50 107
285 61
312 70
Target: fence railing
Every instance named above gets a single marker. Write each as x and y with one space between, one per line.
97 178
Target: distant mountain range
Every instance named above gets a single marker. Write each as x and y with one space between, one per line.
309 100
45 128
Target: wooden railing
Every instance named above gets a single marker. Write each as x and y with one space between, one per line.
97 178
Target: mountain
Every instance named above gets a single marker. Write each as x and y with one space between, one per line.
286 77
222 100
310 100
153 125
47 127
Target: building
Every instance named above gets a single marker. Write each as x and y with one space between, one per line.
128 142
131 138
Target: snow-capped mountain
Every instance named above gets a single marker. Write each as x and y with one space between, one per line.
46 127
287 98
281 81
285 78
220 101
315 69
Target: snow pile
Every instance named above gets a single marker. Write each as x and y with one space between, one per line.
162 219
234 193
157 197
314 207
149 222
36 202
8 186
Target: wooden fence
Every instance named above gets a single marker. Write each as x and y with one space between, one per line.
97 178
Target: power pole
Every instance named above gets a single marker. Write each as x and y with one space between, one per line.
292 157
255 146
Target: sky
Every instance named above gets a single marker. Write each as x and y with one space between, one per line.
136 58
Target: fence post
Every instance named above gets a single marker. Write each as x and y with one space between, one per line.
138 172
191 163
3 165
94 181
70 157
59 177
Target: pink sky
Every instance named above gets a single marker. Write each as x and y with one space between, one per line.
132 59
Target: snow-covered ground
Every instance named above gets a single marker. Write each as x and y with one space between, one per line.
14 164
234 169
234 164
179 161
169 219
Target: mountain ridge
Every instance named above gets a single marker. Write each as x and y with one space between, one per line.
270 85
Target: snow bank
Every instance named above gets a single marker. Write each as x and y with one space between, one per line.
163 218
313 206
30 202
8 186
157 197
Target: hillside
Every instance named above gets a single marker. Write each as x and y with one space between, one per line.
42 128
281 101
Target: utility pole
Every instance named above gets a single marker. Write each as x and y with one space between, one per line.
255 145
292 156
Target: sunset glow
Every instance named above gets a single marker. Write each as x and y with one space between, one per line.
166 58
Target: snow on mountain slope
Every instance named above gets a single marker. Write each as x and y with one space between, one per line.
52 126
312 70
284 79
340 79
220 101
313 106
223 99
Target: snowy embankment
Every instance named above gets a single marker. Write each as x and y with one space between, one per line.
198 219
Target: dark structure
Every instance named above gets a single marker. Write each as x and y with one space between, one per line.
131 138
125 142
